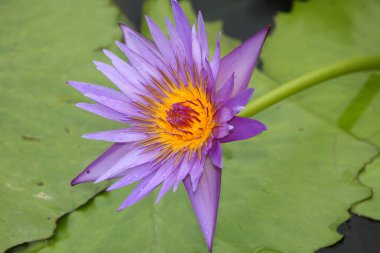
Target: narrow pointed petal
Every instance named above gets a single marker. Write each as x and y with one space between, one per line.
88 88
148 184
238 102
233 106
182 25
225 91
133 158
106 96
179 49
144 67
207 71
160 175
196 172
133 175
202 36
241 61
197 53
243 128
131 75
184 169
106 160
103 111
161 41
127 33
154 58
215 63
133 196
119 135
113 75
215 154
205 200
221 131
168 183
223 115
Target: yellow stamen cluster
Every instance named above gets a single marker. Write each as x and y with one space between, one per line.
180 118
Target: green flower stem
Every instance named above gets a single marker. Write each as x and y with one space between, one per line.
309 80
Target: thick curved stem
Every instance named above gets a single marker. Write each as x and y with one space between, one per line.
309 80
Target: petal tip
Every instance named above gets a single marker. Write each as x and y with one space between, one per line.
121 25
112 187
80 104
74 182
85 136
209 246
77 180
71 83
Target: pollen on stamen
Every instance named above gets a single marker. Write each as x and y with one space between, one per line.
180 113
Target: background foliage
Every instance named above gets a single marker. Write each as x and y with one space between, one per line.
285 191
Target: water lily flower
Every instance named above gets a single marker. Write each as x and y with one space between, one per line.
180 105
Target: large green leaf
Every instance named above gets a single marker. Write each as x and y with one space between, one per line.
318 33
284 191
42 46
371 175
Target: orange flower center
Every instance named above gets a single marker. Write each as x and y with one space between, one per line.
181 119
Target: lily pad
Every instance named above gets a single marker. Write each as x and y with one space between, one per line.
371 177
42 46
284 191
319 33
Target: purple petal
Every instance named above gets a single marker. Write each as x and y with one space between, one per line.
127 33
105 161
225 91
133 196
239 101
241 61
196 172
152 57
161 174
87 88
148 185
233 106
221 131
197 54
207 71
215 154
205 200
182 26
243 128
184 168
139 63
131 75
177 44
133 175
161 41
168 183
202 36
215 62
223 115
133 158
119 135
103 111
108 97
114 76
